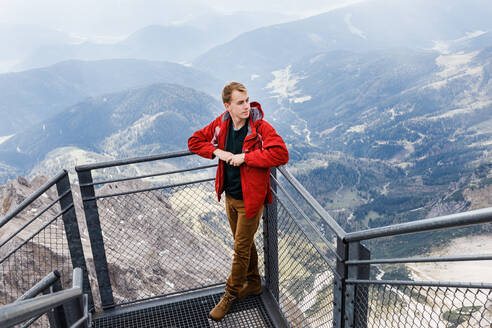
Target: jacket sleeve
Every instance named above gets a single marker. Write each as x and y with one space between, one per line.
273 153
204 141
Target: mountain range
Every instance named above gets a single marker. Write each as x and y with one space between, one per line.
23 38
142 121
32 96
369 25
423 116
393 115
179 42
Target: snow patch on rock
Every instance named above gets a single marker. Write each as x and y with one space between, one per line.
470 108
284 83
454 64
5 138
302 99
358 128
254 76
443 47
352 28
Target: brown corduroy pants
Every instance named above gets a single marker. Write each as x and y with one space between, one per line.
245 261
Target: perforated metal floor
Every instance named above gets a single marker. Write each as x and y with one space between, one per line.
192 313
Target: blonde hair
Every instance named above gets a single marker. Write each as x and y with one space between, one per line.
229 88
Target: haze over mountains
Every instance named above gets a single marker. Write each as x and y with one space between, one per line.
179 42
22 39
370 25
390 105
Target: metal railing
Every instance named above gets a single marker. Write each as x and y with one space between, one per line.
156 230
318 273
139 257
70 306
39 236
157 234
50 283
306 262
417 303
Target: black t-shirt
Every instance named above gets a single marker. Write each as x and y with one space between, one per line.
234 144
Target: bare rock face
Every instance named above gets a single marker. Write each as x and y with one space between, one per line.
445 208
15 191
23 181
479 197
6 202
30 250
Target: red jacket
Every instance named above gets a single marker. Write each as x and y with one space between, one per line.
263 149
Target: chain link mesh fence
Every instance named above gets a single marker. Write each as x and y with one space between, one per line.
178 238
406 306
167 240
305 277
33 244
336 197
306 217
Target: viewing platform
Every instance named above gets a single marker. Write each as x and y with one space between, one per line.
119 248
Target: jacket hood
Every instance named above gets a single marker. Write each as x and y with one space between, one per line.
256 113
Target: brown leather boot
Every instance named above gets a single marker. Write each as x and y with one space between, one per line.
249 288
221 309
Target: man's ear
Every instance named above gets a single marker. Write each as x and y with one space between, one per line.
226 105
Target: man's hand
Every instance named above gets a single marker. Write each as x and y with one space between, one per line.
223 155
236 160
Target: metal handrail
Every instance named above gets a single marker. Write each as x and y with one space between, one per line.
18 312
483 215
33 197
51 279
65 210
148 175
332 224
448 284
44 210
134 160
44 283
148 189
485 257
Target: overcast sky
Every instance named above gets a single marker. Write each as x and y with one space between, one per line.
97 18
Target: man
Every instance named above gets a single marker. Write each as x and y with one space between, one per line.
247 147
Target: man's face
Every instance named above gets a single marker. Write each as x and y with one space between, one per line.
239 105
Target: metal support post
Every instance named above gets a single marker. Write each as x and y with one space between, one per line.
339 285
56 316
356 296
95 234
270 242
72 232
